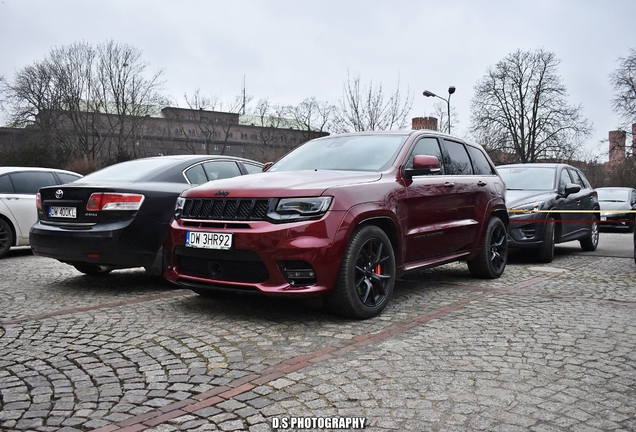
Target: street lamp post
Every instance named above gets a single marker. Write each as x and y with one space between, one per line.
451 90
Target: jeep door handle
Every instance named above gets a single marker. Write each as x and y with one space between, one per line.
449 184
481 183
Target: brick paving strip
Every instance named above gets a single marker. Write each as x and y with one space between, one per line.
247 383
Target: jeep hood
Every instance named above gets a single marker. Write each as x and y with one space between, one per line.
282 184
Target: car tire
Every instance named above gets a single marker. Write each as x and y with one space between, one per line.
590 243
367 275
92 269
492 259
545 253
6 237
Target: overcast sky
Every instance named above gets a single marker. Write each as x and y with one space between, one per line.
291 50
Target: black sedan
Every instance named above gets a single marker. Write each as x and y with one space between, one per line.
118 217
548 204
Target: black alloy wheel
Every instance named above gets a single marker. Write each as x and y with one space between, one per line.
491 262
367 275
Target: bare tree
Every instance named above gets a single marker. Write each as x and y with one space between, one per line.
84 99
364 108
623 80
128 96
441 113
520 107
312 116
271 136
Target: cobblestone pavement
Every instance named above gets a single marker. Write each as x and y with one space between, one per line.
543 348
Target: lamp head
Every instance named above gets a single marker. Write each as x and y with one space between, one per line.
428 93
451 90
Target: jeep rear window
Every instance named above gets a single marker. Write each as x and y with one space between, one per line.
350 153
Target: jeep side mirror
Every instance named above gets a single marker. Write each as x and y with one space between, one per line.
423 164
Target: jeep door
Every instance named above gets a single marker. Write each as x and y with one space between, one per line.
438 221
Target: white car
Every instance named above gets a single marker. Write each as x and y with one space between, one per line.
18 213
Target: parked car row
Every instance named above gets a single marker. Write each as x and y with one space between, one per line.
340 217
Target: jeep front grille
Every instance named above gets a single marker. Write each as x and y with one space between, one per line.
225 208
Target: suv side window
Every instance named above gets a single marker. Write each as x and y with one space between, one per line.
458 162
480 162
584 183
30 182
430 147
564 180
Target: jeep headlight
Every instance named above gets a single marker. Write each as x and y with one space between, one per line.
306 206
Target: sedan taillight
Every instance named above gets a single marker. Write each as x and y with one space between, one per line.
114 201
38 201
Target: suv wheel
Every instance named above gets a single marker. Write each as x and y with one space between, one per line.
367 275
590 243
6 237
546 251
491 261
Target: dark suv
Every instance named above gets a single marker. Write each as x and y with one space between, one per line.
550 203
342 217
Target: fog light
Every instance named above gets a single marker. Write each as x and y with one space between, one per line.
298 272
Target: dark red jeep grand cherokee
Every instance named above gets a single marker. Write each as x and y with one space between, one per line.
342 217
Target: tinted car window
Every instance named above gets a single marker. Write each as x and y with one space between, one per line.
564 180
481 166
459 162
252 169
221 169
67 178
196 175
128 171
5 184
427 146
30 182
528 178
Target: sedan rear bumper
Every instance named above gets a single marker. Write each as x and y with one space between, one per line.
107 245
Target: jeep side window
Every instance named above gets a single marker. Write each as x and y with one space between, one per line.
480 162
458 162
427 146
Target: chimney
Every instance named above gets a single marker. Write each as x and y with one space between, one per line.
424 123
616 147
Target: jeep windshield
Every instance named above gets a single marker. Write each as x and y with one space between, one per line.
346 153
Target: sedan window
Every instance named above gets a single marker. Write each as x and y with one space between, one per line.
67 178
5 184
221 169
30 182
196 175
